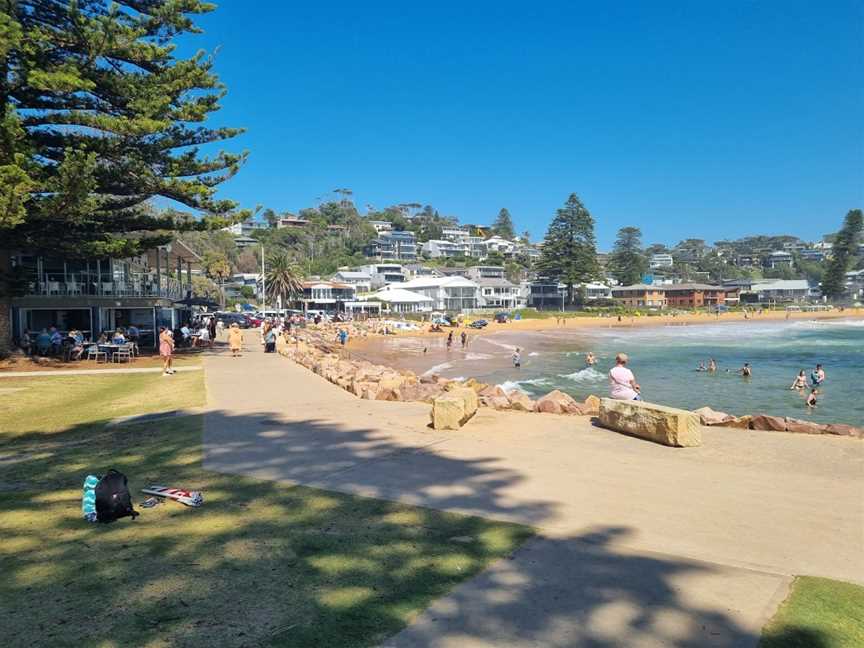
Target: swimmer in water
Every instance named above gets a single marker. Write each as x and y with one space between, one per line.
701 367
811 399
590 360
712 365
800 381
746 371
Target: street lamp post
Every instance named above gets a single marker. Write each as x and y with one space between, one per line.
263 284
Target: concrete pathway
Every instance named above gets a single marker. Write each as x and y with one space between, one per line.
90 372
639 545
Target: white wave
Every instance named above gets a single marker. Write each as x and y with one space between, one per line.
477 356
588 374
511 385
489 340
533 353
536 381
438 368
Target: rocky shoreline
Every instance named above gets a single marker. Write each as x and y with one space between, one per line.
371 381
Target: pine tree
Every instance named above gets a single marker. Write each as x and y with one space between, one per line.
843 253
99 115
503 225
569 249
627 263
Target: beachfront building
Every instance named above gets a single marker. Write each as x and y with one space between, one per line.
498 293
451 294
640 296
695 295
393 246
855 284
777 260
325 296
780 291
398 300
384 274
97 295
546 294
362 281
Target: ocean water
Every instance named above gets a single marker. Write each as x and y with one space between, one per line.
665 360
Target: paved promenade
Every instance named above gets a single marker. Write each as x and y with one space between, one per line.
639 544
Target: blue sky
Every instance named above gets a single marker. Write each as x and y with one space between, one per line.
704 119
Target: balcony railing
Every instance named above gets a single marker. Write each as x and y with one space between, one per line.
89 286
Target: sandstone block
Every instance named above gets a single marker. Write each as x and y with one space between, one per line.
520 401
387 394
844 430
493 390
557 402
804 427
709 416
768 423
591 406
469 400
740 422
448 412
498 402
666 425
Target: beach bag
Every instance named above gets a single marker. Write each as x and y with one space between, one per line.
112 497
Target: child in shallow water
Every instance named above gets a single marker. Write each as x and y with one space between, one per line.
811 399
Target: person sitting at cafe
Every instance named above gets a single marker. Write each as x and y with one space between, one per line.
119 337
103 338
77 340
56 341
43 342
132 333
186 332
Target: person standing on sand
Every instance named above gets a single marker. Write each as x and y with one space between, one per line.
166 350
235 339
517 359
464 338
622 382
449 340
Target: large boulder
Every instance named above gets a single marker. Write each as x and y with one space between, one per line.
493 390
658 423
423 392
768 423
469 399
476 385
429 379
448 412
844 430
804 427
520 401
739 422
591 406
497 402
709 416
387 394
557 402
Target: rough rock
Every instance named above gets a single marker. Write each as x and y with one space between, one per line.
469 400
497 402
429 379
387 394
658 423
520 401
476 385
709 416
557 402
448 412
739 422
425 393
493 390
804 427
768 423
844 430
591 406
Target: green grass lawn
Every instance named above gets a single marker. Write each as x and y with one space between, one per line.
259 564
819 613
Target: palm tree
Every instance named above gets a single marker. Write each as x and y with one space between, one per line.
283 277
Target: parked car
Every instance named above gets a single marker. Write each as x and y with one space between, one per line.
253 319
478 324
503 317
233 318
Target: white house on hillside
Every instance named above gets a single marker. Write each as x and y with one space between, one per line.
362 281
452 294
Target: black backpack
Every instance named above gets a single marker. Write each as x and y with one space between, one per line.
113 500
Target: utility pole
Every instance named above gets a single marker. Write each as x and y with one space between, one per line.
263 284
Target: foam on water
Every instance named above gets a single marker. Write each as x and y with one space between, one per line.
438 368
533 353
477 356
586 375
511 385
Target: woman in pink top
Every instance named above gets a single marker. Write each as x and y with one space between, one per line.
622 382
166 350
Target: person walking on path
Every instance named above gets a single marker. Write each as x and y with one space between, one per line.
166 350
622 382
235 339
211 328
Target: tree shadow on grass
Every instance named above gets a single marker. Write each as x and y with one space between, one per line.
262 563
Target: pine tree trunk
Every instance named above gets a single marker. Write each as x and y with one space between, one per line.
5 305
